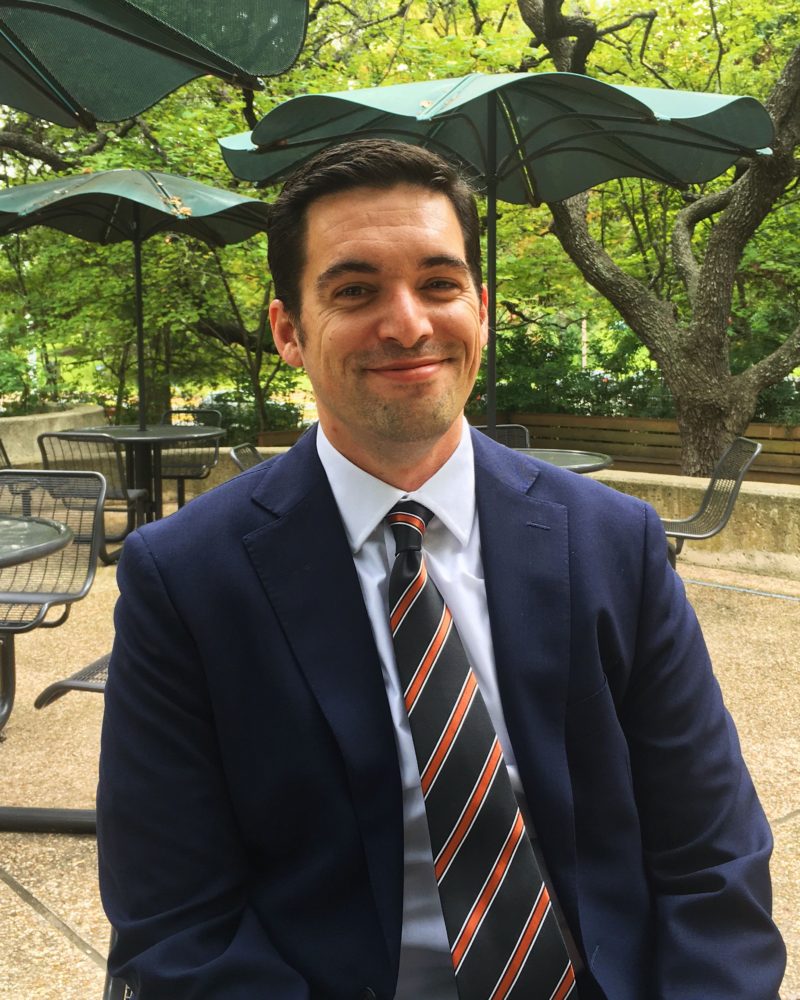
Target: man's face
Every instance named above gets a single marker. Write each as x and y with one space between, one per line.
391 326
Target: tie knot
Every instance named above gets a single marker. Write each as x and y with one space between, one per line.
408 521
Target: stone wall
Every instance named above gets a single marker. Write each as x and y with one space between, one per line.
19 433
762 536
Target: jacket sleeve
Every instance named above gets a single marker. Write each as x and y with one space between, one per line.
706 840
173 872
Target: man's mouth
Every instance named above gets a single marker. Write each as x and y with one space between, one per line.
409 369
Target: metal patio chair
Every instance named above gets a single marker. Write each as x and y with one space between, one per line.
246 456
92 677
29 590
511 435
184 460
71 450
718 500
48 819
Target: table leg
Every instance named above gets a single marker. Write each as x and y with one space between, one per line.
158 483
142 475
28 819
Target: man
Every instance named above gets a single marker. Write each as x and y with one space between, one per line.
263 828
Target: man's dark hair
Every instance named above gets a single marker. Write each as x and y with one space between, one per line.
377 163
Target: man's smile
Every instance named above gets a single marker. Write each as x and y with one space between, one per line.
410 370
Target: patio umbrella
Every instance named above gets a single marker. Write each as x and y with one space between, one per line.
113 206
82 61
524 137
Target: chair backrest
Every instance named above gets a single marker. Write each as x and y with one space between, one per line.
726 479
511 435
70 450
187 460
207 417
5 461
246 456
719 498
72 498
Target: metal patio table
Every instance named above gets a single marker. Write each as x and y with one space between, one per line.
577 461
23 539
143 453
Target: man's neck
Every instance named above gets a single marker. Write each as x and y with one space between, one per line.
403 464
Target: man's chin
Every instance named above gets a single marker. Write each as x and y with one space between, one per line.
411 425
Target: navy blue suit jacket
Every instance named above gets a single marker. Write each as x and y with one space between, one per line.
249 808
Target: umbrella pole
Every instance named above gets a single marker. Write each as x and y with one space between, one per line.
491 265
140 372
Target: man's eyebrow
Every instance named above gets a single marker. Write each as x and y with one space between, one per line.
444 260
344 267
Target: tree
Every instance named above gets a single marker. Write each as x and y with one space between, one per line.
689 334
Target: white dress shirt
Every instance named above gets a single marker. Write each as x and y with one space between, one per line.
453 557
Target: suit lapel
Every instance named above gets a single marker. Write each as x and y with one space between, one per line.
307 571
525 552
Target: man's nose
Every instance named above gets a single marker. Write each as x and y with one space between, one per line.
405 318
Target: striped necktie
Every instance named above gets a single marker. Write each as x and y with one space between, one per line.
504 938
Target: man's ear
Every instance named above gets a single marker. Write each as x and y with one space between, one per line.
284 333
484 316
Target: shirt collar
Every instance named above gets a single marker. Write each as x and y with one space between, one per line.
364 501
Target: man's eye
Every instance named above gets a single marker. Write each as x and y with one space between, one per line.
442 283
351 291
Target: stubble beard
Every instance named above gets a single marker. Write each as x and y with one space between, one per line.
415 415
409 420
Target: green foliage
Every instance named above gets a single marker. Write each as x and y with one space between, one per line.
539 372
240 418
780 403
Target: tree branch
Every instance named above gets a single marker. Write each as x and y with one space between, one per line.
653 320
24 144
651 69
771 369
151 137
477 21
752 198
686 221
612 29
538 22
248 108
720 48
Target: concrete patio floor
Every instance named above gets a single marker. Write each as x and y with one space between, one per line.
53 931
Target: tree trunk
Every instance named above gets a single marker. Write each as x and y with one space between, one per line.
708 423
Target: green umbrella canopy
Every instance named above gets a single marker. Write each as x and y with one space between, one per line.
556 134
112 206
524 137
82 61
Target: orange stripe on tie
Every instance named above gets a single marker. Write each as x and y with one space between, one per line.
484 901
564 988
471 810
408 598
433 766
428 660
523 947
412 519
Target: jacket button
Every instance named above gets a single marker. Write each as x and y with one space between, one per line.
369 994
